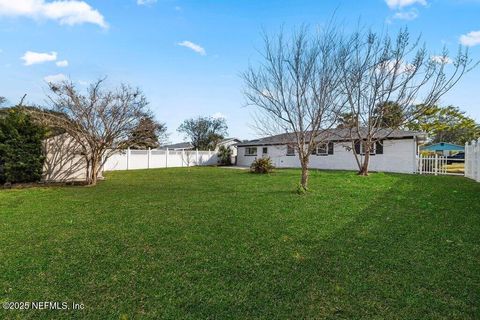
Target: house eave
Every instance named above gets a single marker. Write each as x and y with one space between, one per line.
327 140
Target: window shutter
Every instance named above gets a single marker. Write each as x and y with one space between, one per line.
379 147
357 147
330 148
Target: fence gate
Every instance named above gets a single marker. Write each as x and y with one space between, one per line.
440 165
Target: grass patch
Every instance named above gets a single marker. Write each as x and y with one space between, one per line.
219 243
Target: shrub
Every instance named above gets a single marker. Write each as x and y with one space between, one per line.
21 152
262 165
224 156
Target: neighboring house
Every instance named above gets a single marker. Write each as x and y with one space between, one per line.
230 143
397 153
443 148
178 146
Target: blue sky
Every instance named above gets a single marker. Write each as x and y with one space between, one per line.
187 55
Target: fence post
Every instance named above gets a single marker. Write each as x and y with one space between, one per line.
166 159
477 160
183 156
465 170
148 157
436 164
473 160
128 158
420 164
196 155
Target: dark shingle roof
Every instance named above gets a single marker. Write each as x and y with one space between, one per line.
332 135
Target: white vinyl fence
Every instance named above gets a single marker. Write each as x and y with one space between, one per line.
149 159
435 164
472 160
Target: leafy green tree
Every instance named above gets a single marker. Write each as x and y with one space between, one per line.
21 152
225 155
389 115
446 124
347 120
148 134
204 132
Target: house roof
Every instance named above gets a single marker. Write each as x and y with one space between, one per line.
228 140
332 135
180 145
443 146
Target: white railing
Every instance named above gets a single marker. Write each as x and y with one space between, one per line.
436 165
149 159
472 160
440 165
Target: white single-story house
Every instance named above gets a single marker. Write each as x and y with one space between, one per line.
397 152
230 143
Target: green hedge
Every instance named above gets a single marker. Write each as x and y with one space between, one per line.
21 152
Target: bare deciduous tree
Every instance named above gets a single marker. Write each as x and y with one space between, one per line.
100 121
377 71
295 90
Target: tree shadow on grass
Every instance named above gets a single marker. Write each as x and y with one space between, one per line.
411 253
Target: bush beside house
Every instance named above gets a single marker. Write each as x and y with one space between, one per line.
225 156
21 152
262 165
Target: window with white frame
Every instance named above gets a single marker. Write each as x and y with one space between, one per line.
363 147
322 149
290 150
251 151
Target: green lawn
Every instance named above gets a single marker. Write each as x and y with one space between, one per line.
222 243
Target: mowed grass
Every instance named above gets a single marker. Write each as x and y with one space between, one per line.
226 244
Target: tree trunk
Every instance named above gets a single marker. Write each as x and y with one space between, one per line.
304 179
364 168
92 179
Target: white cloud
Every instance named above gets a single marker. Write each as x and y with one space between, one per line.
441 59
406 15
63 63
55 78
178 8
66 12
145 2
399 67
470 39
218 115
31 57
398 4
195 47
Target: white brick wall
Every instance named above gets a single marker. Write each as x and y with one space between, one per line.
398 156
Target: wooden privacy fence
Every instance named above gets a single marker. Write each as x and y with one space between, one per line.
472 160
148 159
